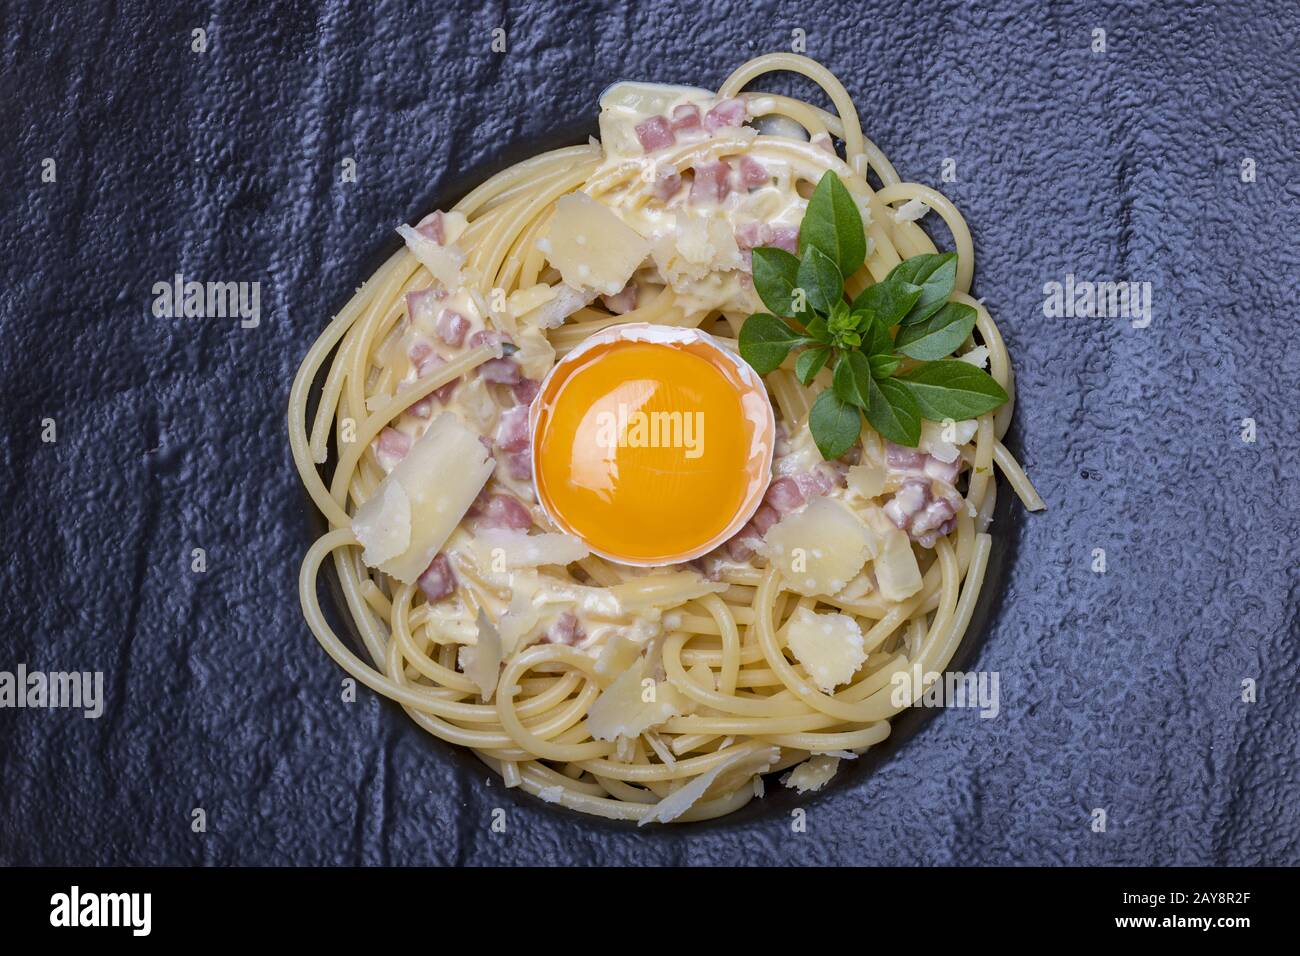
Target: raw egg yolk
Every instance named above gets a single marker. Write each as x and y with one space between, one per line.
649 451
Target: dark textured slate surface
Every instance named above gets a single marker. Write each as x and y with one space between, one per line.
1120 691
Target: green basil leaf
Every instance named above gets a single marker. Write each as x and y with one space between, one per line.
894 413
833 225
936 274
775 274
820 280
765 341
835 424
938 336
883 366
952 389
876 340
888 301
852 379
809 363
818 329
842 326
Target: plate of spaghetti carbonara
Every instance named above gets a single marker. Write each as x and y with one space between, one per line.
655 465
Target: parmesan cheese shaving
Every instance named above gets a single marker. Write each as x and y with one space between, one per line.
591 246
819 549
498 547
623 709
443 262
437 481
934 443
551 312
813 774
482 662
679 801
897 573
664 590
829 646
383 524
618 654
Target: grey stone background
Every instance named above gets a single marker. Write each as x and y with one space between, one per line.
1120 691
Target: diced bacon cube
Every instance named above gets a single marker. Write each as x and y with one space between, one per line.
667 182
945 471
686 116
391 446
519 464
906 503
744 544
709 566
753 173
818 481
431 228
932 518
923 509
784 237
751 235
711 182
622 303
565 630
443 393
785 495
526 390
419 352
488 337
764 518
655 133
512 429
420 305
424 358
505 511
728 112
502 371
438 580
423 408
904 459
451 327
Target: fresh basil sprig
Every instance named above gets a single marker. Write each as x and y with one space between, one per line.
888 349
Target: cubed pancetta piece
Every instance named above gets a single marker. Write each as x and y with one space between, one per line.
502 371
784 237
438 580
655 133
785 495
519 464
512 429
451 327
753 173
431 228
686 116
728 112
712 182
391 446
924 509
668 181
503 511
764 518
565 630
525 390
622 303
